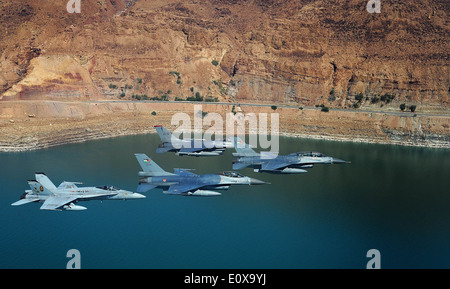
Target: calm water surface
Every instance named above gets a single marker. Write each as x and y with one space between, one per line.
390 198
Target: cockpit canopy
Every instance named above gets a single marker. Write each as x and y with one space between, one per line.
231 174
311 154
108 188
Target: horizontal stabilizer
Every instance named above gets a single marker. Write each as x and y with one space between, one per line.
24 201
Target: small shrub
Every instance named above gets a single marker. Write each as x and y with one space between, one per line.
215 62
153 112
412 108
198 97
325 109
210 99
274 107
374 99
402 106
142 97
387 98
359 97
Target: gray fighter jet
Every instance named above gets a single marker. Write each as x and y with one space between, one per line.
294 163
67 194
185 183
189 147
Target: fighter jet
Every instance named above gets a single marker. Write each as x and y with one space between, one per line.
186 183
294 163
67 194
189 147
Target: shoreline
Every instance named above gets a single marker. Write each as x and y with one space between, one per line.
36 146
42 125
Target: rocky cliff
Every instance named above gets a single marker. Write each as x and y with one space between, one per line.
281 51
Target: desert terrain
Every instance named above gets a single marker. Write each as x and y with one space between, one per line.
71 77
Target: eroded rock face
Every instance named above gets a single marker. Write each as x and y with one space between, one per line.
302 51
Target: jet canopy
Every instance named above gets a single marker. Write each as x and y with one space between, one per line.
108 188
231 174
311 154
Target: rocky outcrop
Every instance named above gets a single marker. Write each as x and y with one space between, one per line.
55 67
298 51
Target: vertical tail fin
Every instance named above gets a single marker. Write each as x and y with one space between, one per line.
149 167
39 189
164 134
45 182
243 149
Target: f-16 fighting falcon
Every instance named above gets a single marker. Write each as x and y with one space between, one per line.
294 163
185 183
67 194
190 147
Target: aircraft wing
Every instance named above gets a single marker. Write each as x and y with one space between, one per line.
184 172
193 149
274 165
55 202
179 189
24 201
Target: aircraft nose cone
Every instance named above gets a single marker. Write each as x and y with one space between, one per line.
138 196
256 182
339 161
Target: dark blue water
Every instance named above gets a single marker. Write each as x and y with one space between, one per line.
390 198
